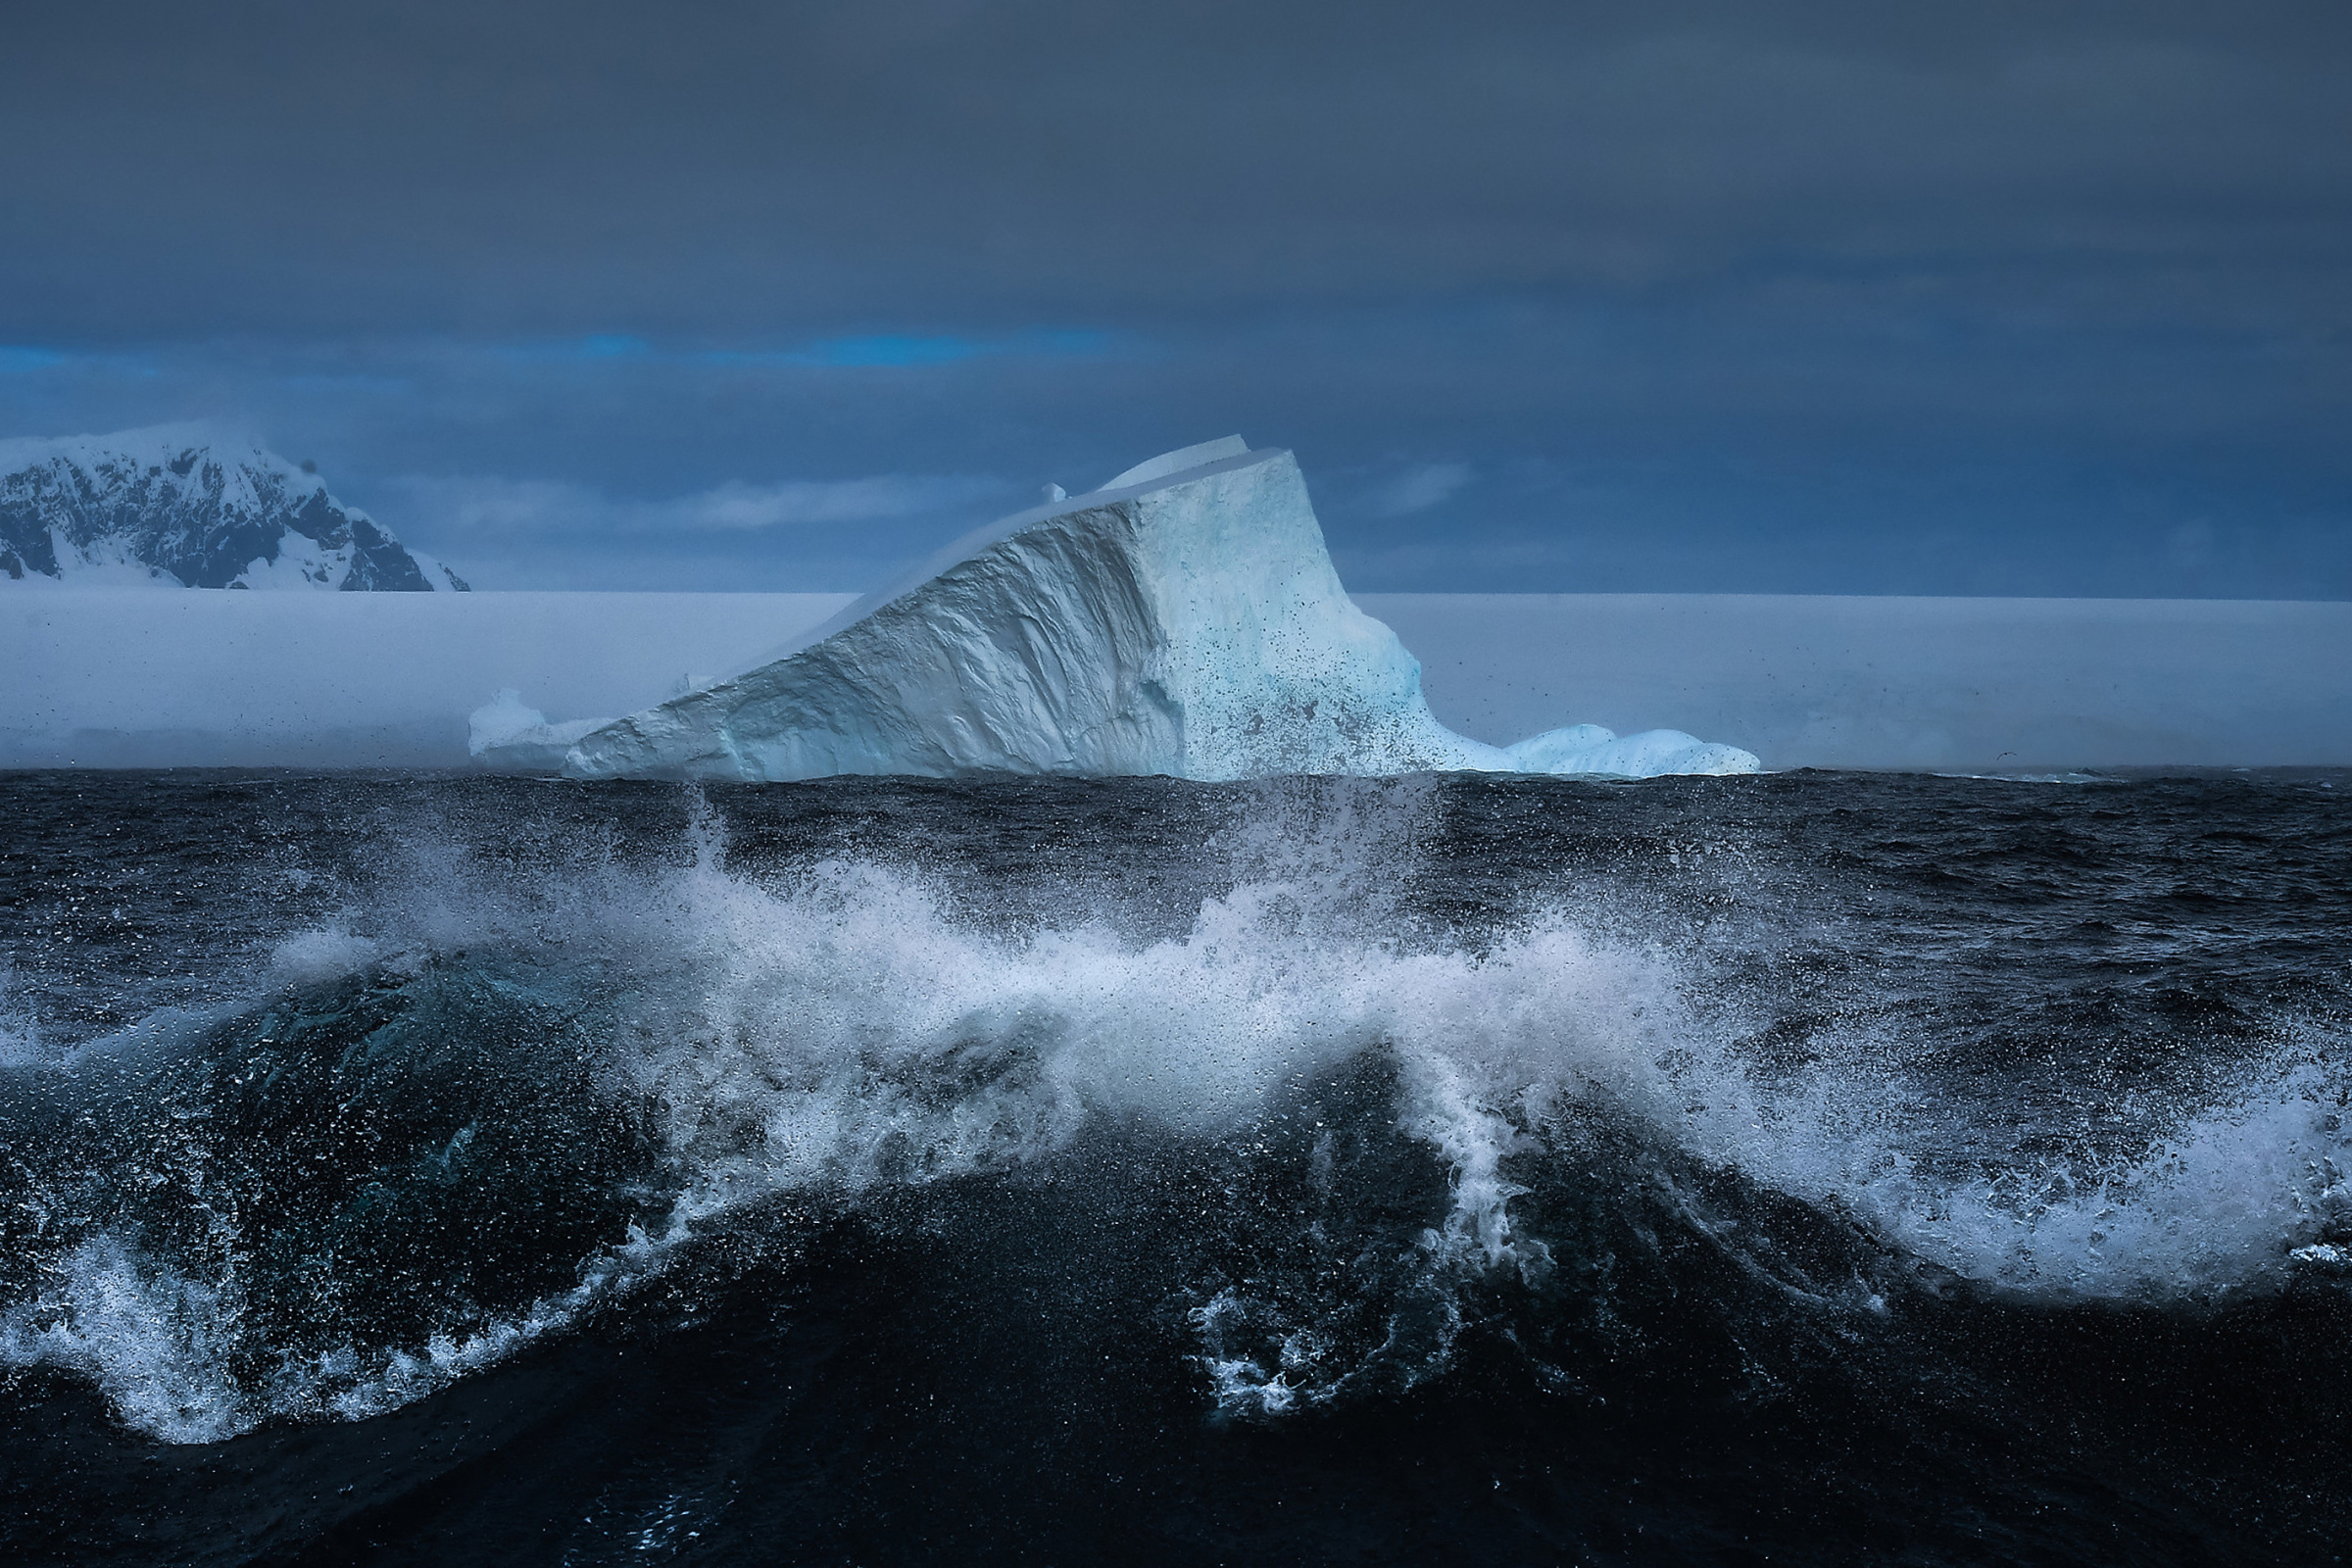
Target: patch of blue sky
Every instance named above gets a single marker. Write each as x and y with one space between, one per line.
602 346
612 346
24 358
900 351
896 351
887 350
18 358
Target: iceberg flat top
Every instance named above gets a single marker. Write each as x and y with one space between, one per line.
1169 463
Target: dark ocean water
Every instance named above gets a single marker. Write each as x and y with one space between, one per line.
1801 1168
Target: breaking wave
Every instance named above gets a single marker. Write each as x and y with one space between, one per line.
509 1086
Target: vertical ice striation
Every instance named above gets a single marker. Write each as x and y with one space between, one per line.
1185 620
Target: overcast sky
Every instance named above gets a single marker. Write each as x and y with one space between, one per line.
1940 298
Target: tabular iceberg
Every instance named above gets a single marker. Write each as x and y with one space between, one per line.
1184 620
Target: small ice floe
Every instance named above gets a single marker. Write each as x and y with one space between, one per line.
507 733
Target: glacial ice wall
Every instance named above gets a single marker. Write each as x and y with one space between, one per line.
1185 620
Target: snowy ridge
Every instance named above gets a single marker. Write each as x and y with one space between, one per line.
181 505
1186 620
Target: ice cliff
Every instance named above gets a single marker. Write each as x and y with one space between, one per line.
1184 620
175 507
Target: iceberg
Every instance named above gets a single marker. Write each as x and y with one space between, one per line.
1590 750
1183 619
515 738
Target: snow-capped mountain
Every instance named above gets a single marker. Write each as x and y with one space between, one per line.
180 506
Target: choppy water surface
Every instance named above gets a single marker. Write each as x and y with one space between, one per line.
1811 1167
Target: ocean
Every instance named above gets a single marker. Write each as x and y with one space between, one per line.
1809 1168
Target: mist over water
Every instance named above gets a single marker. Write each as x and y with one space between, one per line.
1778 1111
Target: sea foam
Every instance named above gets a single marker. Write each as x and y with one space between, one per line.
838 1028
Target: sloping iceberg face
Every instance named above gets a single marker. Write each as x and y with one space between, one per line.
1185 620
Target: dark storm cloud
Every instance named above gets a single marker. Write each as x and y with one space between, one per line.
1860 295
721 168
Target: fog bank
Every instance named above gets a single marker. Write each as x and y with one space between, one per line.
145 678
